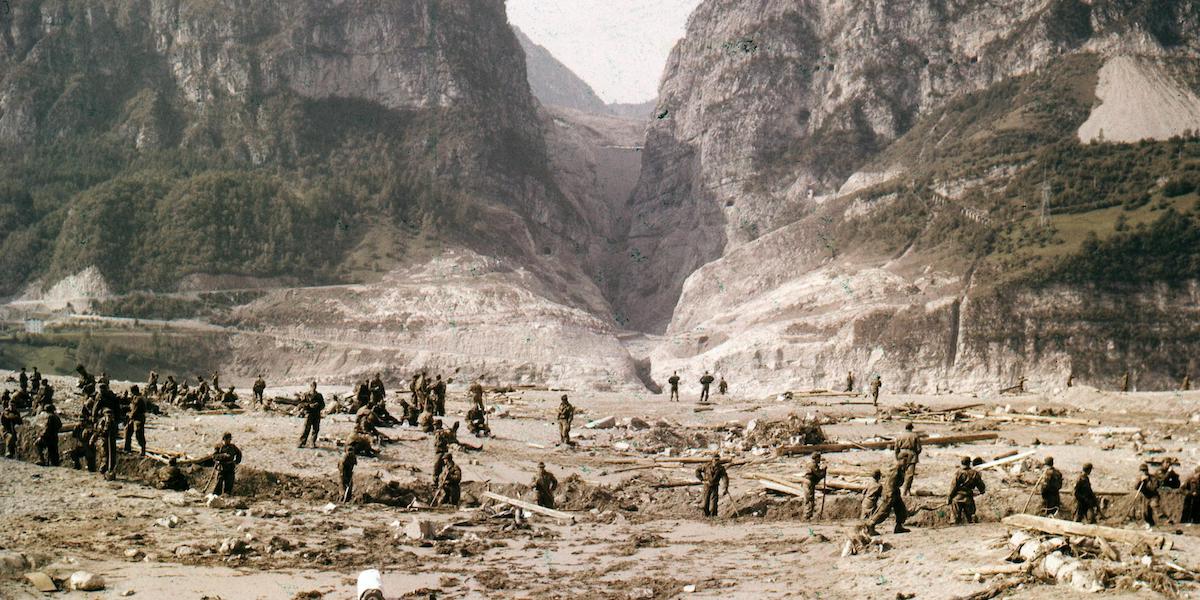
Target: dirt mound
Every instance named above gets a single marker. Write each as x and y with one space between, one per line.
795 429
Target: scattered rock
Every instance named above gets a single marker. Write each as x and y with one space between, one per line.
41 582
418 529
169 521
184 550
638 424
128 593
86 582
689 588
224 502
328 508
133 553
12 564
232 546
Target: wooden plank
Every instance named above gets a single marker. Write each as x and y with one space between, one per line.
677 484
779 487
1061 527
549 512
1037 418
1006 460
928 441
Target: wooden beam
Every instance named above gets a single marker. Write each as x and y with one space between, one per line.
1005 460
929 441
1061 527
529 506
677 484
779 487
1037 418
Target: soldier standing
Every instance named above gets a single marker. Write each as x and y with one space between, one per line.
849 381
136 424
152 383
870 497
1148 500
545 484
378 392
907 448
705 381
713 474
674 383
439 395
259 387
1125 382
346 471
566 413
23 380
35 381
226 458
9 420
314 403
449 489
876 383
1050 485
892 501
962 493
813 476
109 430
722 386
1191 499
477 394
47 443
1086 503
414 386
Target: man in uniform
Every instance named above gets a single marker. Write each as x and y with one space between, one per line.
171 477
712 474
85 435
226 458
876 383
10 418
45 393
477 422
892 501
414 386
907 448
21 401
1167 477
705 381
849 381
544 485
106 412
425 421
449 490
378 392
35 381
674 382
86 383
1049 486
47 442
477 394
1086 504
1191 499
23 380
346 472
439 395
870 496
962 493
1148 500
722 386
259 387
135 425
170 389
813 476
566 413
314 403
152 383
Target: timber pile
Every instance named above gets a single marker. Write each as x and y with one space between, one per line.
1088 558
881 445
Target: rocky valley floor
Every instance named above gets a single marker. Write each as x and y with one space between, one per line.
633 535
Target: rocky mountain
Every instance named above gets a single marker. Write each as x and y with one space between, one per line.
176 147
553 83
911 188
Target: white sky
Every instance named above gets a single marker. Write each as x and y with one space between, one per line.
619 47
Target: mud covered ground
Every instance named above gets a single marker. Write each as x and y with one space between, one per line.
631 539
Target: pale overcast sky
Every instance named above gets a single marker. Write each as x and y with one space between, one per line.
618 47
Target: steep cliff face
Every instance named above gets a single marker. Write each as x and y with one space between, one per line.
768 106
171 145
554 84
894 188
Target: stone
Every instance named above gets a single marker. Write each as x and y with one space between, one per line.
133 553
41 581
232 546
184 550
85 581
169 521
329 508
419 529
12 564
689 588
638 424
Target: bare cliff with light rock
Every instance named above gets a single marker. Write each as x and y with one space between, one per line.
912 190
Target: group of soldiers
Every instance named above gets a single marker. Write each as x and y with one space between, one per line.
884 495
706 381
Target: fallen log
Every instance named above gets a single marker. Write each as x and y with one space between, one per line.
953 409
1061 527
779 487
928 441
529 506
1037 418
1006 460
1005 569
677 484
